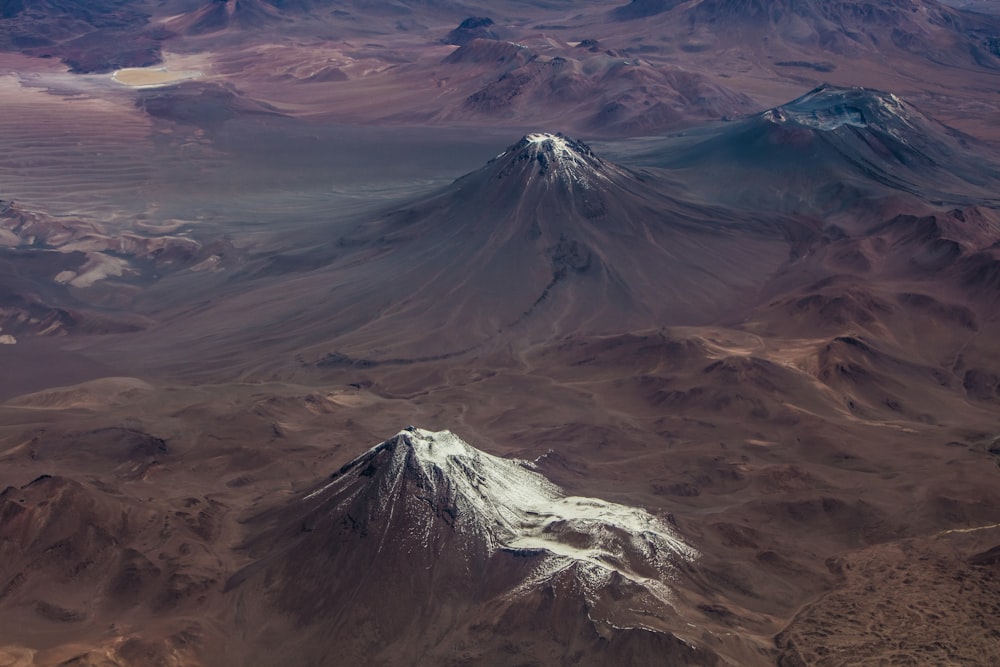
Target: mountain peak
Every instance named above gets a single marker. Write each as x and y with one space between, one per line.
496 504
557 148
555 141
553 157
831 107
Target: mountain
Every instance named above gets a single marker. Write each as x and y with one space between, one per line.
601 90
219 15
639 9
564 240
923 28
733 390
94 36
474 27
831 150
546 239
314 16
76 556
444 547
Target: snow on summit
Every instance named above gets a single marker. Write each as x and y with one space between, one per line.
503 504
830 108
552 157
562 146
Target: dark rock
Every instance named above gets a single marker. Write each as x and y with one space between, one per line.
474 27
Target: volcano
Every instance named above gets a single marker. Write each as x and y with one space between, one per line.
834 149
435 541
221 14
547 238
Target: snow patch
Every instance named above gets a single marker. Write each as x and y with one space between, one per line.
554 158
817 120
829 108
505 505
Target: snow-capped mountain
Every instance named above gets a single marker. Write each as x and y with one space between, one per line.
544 240
554 157
503 504
830 108
425 536
549 236
835 148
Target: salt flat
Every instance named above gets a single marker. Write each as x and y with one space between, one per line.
152 77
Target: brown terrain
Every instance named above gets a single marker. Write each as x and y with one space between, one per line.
721 358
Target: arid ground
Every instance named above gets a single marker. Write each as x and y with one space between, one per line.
725 271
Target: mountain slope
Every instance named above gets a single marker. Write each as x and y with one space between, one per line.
547 238
834 149
94 36
550 236
77 560
598 89
923 28
219 15
437 543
